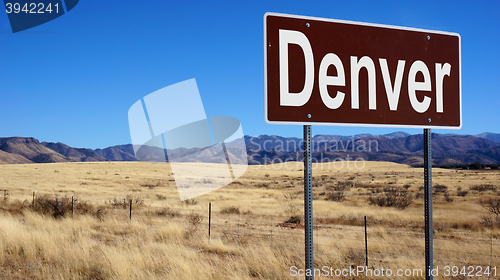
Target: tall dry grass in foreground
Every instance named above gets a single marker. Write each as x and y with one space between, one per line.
167 239
33 246
38 247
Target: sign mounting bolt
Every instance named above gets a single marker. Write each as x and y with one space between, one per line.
308 116
429 119
307 24
428 37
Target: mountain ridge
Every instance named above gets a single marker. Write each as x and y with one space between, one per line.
397 147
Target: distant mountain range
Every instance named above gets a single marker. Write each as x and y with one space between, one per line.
400 147
396 147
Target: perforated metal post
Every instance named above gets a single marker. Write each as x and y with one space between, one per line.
308 207
428 203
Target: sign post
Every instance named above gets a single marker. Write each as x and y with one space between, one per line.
308 201
428 203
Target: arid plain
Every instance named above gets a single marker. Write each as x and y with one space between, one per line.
255 225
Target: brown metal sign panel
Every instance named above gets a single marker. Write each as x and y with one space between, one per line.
331 72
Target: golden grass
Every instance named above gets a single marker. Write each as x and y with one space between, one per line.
162 241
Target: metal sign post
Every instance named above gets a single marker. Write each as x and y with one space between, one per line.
308 201
428 203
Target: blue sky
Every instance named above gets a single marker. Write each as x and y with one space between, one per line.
73 79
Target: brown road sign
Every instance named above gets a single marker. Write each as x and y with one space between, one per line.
331 72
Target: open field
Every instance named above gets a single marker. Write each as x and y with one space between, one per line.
254 233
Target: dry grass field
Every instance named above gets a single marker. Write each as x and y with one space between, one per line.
256 230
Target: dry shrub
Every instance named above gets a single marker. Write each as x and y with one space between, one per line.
137 201
295 219
194 220
392 197
337 193
14 206
168 212
491 204
82 207
125 203
60 207
462 193
447 197
116 203
230 210
468 225
55 207
490 222
483 187
438 188
264 185
190 201
149 186
342 186
338 196
161 196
